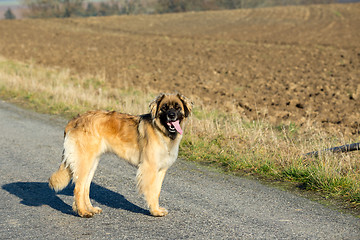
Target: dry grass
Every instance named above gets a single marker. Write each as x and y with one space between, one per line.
56 91
212 137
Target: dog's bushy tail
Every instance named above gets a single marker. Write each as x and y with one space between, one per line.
61 178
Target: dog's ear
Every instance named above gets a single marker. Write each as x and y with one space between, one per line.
154 105
188 104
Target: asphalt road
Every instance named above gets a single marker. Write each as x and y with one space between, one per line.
202 204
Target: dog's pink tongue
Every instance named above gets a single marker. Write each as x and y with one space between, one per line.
176 124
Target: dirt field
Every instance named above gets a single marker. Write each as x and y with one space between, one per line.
285 64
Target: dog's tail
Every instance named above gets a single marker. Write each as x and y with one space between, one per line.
61 178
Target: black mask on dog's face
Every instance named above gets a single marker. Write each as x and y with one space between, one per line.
170 110
171 114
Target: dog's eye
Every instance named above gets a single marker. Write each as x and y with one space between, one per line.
164 107
177 106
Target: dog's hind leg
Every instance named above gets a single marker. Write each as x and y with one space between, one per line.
88 204
149 181
86 165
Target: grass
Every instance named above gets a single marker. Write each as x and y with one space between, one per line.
57 91
212 137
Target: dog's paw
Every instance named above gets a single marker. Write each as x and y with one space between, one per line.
95 210
85 214
160 212
82 212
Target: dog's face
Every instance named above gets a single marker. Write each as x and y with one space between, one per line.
169 112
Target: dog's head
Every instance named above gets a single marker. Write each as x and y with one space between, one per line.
169 112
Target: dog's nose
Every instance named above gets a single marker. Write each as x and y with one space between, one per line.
171 115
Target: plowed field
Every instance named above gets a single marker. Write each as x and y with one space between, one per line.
284 64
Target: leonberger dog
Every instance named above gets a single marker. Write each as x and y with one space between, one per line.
150 142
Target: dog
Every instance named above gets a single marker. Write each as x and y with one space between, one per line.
150 142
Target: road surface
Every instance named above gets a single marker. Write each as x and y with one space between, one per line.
202 204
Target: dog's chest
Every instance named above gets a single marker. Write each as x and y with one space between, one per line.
169 156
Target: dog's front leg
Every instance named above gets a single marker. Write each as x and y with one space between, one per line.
149 181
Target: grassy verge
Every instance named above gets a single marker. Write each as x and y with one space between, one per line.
213 137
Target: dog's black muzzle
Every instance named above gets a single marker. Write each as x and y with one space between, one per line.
171 115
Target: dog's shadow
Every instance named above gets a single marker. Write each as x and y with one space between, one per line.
38 194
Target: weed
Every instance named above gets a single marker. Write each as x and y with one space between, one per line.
338 14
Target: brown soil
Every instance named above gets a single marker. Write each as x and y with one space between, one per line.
284 64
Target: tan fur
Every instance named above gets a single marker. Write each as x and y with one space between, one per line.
141 140
61 178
